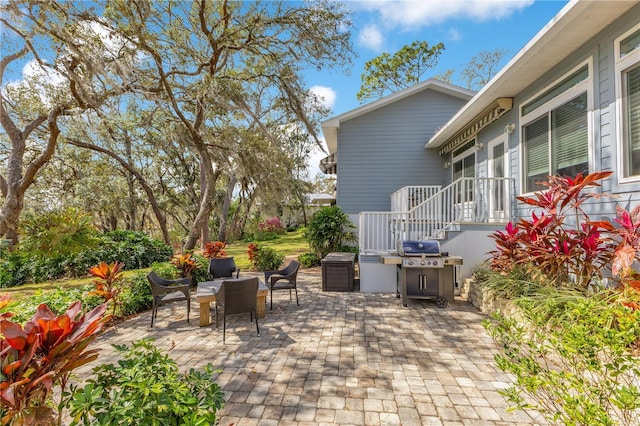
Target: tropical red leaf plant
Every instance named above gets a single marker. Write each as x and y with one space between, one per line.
40 355
186 264
5 300
215 249
560 238
626 254
109 283
252 250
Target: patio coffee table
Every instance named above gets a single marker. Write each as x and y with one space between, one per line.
206 293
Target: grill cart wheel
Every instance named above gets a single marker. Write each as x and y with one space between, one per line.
441 302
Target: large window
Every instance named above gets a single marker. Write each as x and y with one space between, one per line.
628 79
555 130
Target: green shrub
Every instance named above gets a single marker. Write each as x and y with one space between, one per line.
265 236
13 271
329 230
574 366
165 270
202 273
521 281
267 259
145 388
136 295
309 260
137 250
58 233
58 301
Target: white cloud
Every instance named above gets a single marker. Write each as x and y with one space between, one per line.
412 13
33 70
326 95
371 38
111 42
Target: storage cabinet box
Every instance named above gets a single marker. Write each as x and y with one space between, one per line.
338 271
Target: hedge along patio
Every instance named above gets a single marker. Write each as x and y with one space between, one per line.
340 358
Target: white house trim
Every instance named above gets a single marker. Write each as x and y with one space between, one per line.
621 66
576 23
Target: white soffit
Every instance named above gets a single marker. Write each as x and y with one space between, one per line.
573 26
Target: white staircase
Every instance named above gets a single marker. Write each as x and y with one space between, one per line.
429 212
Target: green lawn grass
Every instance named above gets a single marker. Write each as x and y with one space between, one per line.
290 244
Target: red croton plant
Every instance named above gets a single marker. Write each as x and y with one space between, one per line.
564 243
214 249
252 251
108 284
186 264
40 355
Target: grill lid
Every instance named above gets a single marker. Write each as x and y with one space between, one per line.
419 248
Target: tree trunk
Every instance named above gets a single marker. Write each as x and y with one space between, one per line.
302 200
204 230
131 186
244 215
18 178
226 206
206 203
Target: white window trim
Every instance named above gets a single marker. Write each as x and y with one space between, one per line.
490 145
622 65
583 86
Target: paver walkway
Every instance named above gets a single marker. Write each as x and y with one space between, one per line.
340 358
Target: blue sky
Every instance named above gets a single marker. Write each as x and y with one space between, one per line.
466 27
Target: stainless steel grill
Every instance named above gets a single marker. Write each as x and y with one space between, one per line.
426 272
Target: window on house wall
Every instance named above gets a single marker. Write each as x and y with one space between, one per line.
464 165
628 79
556 130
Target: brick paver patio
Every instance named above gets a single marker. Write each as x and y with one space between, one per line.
339 358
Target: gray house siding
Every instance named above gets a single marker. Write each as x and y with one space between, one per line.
603 126
383 150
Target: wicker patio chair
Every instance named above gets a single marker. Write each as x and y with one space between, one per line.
283 279
236 297
167 291
222 267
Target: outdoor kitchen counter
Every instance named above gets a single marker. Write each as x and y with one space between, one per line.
391 260
397 260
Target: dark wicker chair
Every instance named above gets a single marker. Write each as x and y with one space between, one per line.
167 291
223 267
236 297
283 279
